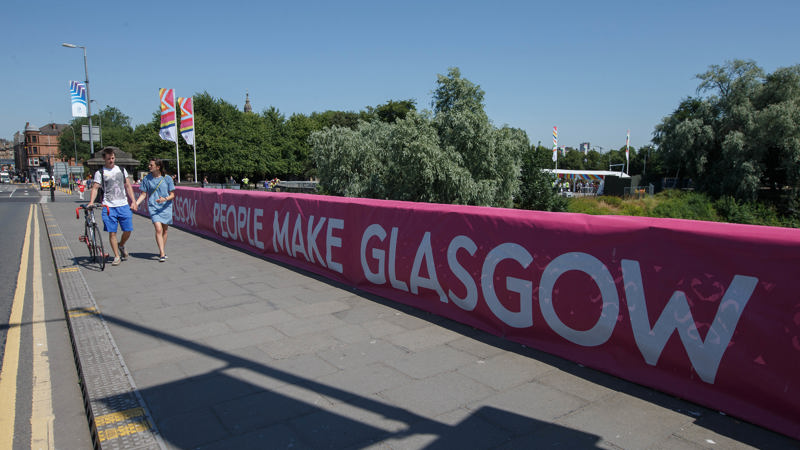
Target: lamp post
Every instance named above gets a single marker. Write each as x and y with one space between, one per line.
100 118
88 97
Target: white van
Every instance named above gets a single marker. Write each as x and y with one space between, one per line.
45 182
4 178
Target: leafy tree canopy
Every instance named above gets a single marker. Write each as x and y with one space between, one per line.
740 136
452 155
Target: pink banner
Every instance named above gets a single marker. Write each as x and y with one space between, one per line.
705 311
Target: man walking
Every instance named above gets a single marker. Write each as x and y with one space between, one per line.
115 184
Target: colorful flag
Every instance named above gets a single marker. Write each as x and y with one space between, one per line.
555 143
627 141
77 92
168 130
187 119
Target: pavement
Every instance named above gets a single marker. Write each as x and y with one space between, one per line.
218 348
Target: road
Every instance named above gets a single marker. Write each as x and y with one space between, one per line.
40 400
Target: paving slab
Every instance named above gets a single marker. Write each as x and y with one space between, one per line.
225 349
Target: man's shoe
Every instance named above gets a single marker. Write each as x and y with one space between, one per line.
123 252
116 261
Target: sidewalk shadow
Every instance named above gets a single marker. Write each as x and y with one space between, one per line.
144 255
218 411
87 263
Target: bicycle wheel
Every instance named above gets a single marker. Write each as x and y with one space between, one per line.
88 238
99 253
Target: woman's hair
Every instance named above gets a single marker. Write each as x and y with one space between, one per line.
160 164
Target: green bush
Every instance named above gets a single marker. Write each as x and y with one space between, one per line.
634 209
730 210
678 204
587 205
685 205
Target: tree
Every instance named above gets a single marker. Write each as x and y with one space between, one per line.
742 136
456 156
537 187
116 131
392 110
493 157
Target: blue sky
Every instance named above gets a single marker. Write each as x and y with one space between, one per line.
593 68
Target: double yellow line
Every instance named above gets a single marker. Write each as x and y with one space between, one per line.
41 403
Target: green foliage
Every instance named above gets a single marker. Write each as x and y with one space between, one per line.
685 205
115 128
456 156
391 111
731 210
742 137
589 205
537 190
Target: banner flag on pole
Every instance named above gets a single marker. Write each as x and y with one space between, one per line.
77 92
168 130
627 153
555 143
187 119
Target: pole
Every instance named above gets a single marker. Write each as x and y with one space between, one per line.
178 160
100 118
88 101
177 129
194 144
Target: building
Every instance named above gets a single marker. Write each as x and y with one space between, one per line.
248 108
6 156
38 147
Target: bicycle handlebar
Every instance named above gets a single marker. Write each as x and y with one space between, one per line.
89 207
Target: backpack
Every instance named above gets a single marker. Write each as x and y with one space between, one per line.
101 191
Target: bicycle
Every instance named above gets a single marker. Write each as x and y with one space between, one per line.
91 233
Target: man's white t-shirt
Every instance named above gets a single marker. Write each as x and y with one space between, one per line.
114 189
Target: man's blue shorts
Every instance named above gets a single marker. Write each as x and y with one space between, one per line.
121 215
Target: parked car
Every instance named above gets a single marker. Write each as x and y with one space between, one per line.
45 182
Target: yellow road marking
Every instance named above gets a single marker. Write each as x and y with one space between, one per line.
124 430
115 417
56 234
137 423
41 404
80 312
68 269
62 247
8 373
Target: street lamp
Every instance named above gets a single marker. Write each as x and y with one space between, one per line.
88 97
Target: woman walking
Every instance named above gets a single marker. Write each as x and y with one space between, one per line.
160 191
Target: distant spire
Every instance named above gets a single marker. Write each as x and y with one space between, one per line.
247 106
